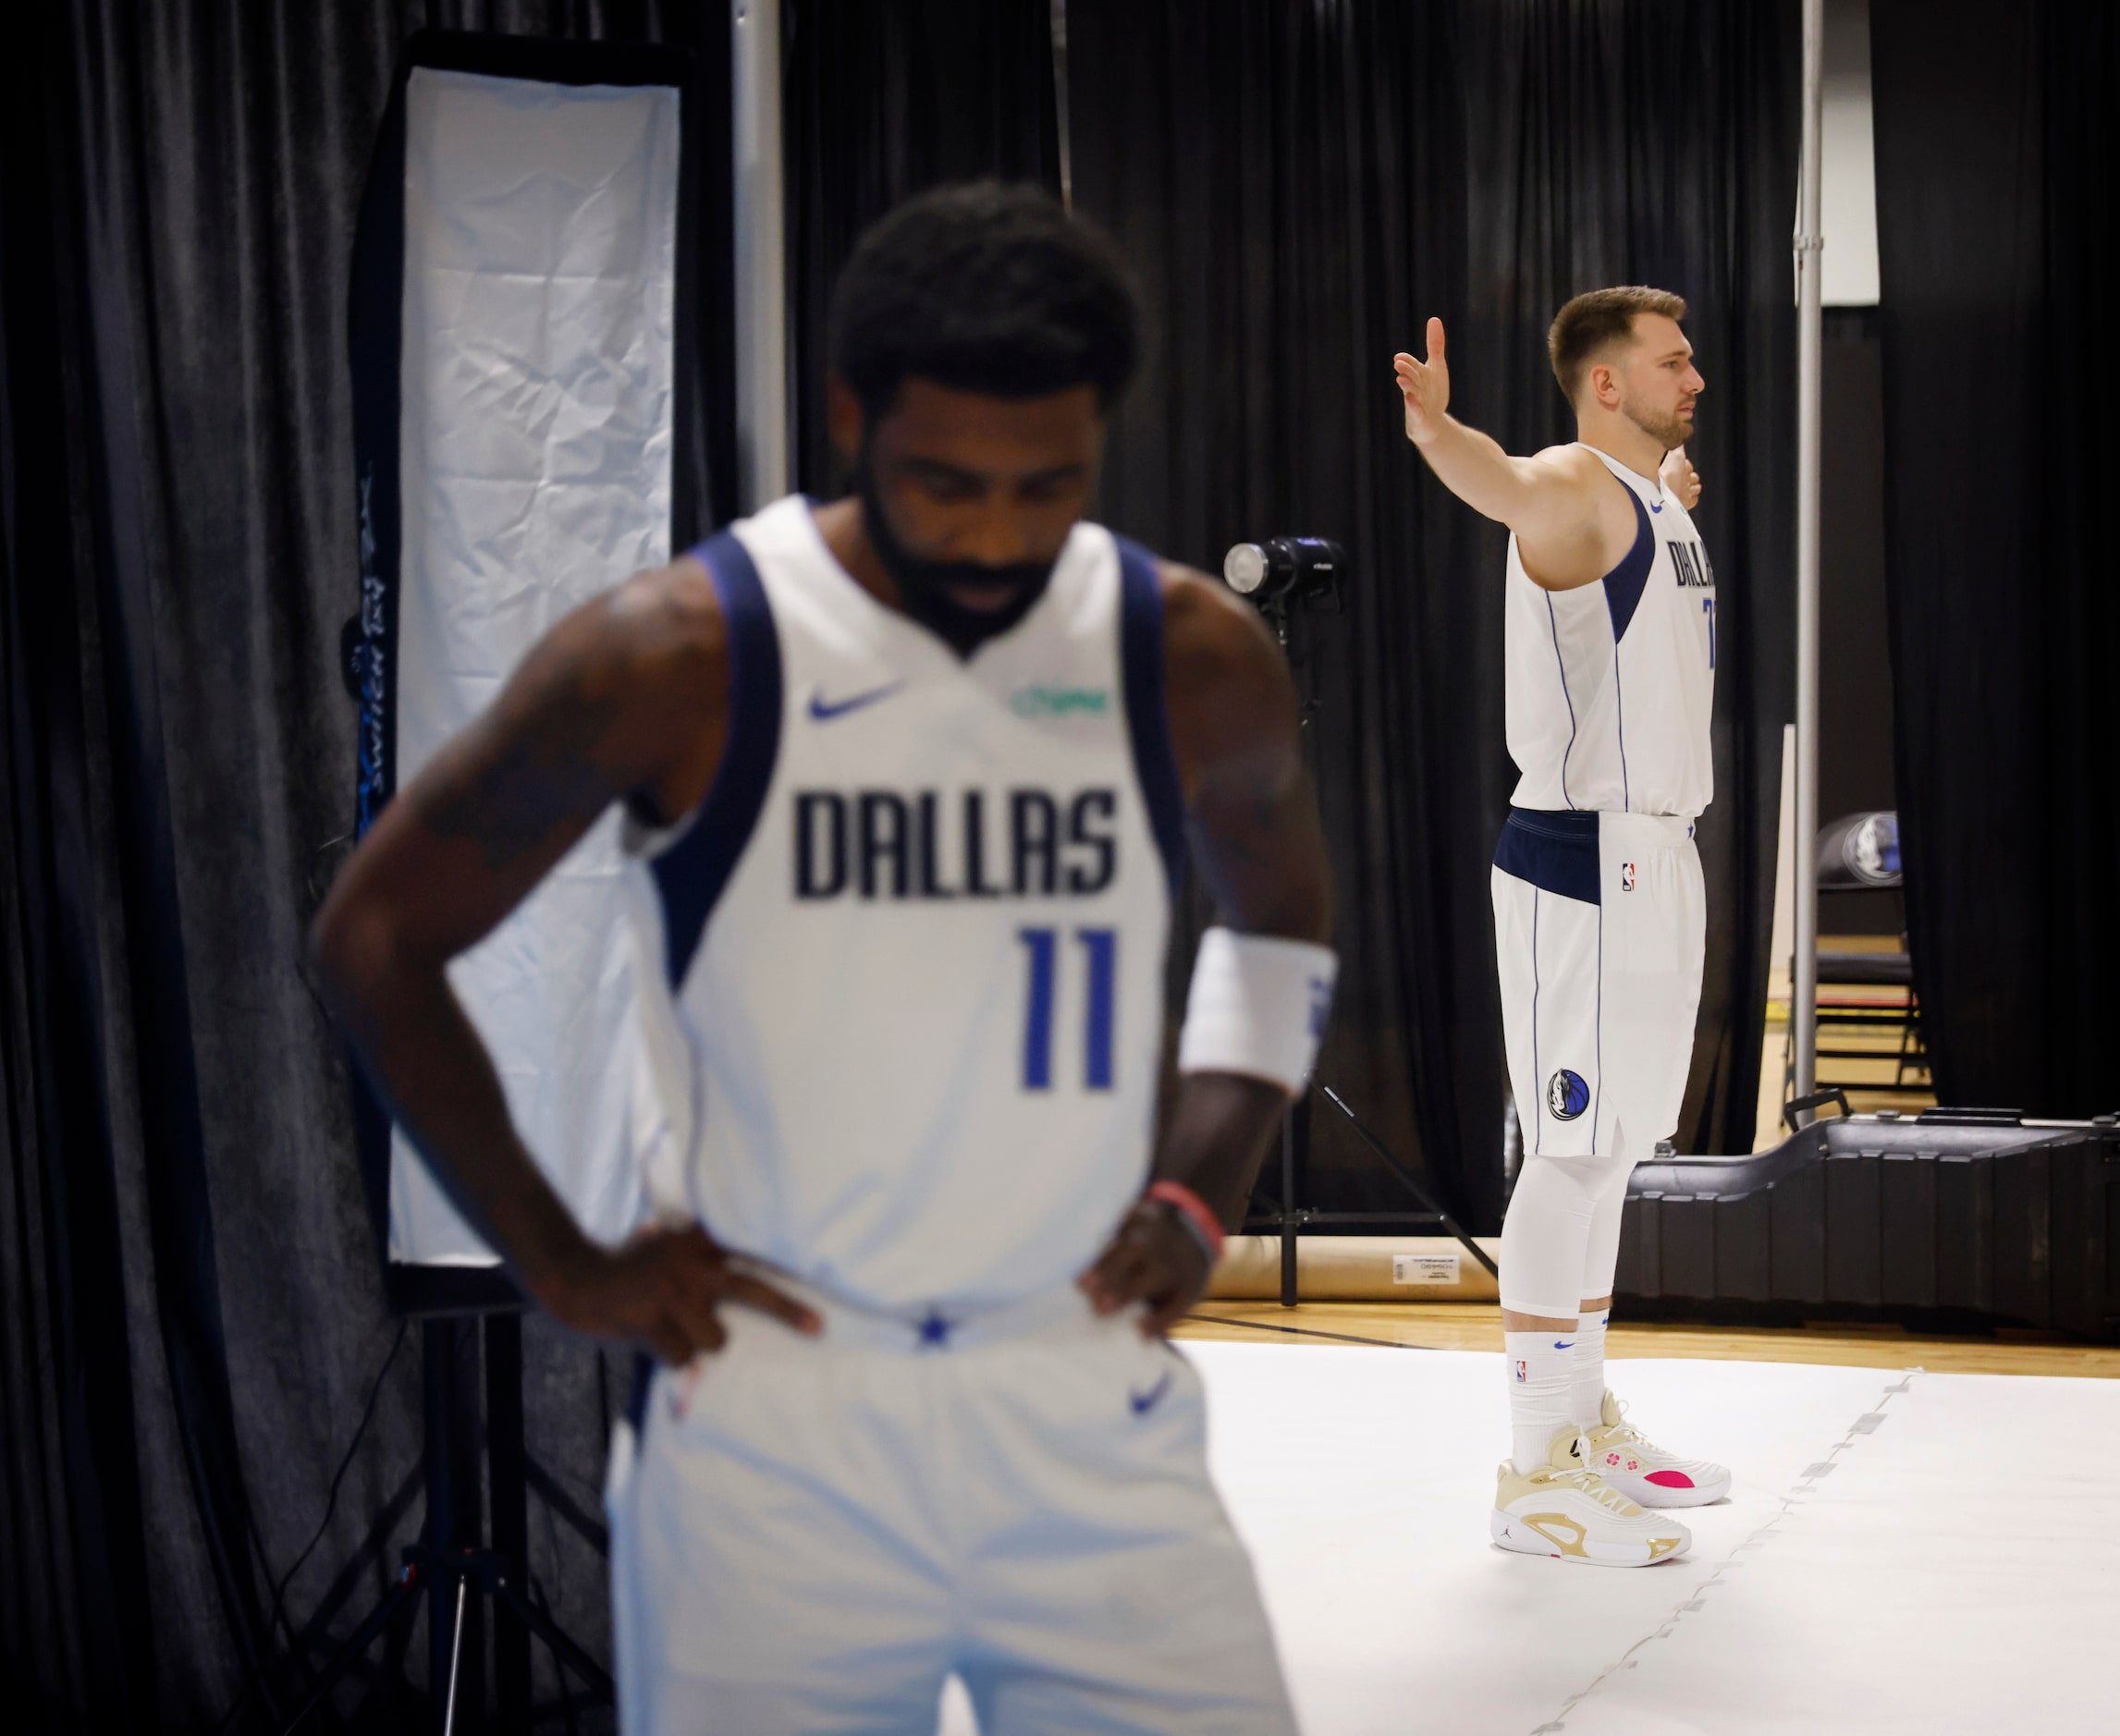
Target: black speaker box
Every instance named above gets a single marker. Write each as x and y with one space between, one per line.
1953 1217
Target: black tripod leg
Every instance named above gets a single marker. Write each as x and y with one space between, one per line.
536 1622
438 1347
1410 1181
358 1641
1288 1229
394 1659
453 1499
509 1496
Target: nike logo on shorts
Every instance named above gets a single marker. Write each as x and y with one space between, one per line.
1568 1346
1144 1402
823 710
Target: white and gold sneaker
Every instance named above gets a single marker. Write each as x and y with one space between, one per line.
1563 1509
1643 1472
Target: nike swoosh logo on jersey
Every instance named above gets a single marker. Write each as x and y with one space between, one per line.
1144 1402
823 710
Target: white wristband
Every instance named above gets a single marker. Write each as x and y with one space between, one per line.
1257 1005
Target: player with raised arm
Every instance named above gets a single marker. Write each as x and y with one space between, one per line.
1598 905
911 781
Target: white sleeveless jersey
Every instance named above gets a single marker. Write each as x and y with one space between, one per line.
1610 688
903 977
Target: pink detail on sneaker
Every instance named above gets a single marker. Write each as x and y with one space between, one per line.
1671 1479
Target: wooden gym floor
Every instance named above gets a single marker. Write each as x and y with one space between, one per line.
1477 1327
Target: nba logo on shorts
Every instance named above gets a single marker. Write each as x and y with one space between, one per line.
1521 1372
1567 1095
1626 876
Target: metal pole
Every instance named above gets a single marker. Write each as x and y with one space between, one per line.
1290 1270
762 469
1058 24
1809 246
456 1657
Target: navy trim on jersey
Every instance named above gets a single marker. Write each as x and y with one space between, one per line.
1147 707
693 874
1625 582
1554 849
1560 664
1538 1077
1620 729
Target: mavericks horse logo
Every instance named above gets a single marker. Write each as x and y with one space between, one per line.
1566 1096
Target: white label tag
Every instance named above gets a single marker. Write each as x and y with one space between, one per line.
1424 1268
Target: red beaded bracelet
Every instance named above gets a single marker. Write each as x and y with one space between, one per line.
1198 1218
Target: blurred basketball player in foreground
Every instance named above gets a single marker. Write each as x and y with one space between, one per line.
912 778
1599 906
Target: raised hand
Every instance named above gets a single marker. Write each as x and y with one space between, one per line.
1681 478
663 1292
1425 387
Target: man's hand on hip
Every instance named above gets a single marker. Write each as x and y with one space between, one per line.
1153 1257
663 1291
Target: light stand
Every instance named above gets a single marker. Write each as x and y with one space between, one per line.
473 1452
1276 575
456 1568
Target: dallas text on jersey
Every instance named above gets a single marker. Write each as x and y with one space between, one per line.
1023 843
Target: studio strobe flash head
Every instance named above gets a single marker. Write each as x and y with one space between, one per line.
1285 569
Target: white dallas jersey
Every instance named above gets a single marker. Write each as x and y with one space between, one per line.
904 982
1611 685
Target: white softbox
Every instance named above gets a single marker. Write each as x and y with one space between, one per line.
518 334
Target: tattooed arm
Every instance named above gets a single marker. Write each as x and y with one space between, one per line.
1252 821
623 700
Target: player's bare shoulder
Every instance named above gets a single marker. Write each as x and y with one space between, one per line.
1586 522
660 637
1225 681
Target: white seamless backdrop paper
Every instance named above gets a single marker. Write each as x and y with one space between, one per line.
535 452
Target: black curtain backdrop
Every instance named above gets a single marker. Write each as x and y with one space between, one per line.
192 1321
1298 187
1996 162
881 102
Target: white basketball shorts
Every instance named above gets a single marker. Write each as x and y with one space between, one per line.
810 1534
1599 925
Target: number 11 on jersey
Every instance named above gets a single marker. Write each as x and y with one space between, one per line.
1100 953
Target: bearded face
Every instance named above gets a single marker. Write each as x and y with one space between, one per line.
1657 382
1669 429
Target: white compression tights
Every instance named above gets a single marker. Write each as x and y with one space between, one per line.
1561 1239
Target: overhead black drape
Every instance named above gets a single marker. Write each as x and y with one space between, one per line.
880 101
1996 164
191 1318
1299 187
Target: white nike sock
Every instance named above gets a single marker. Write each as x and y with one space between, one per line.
1586 1375
1541 1366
